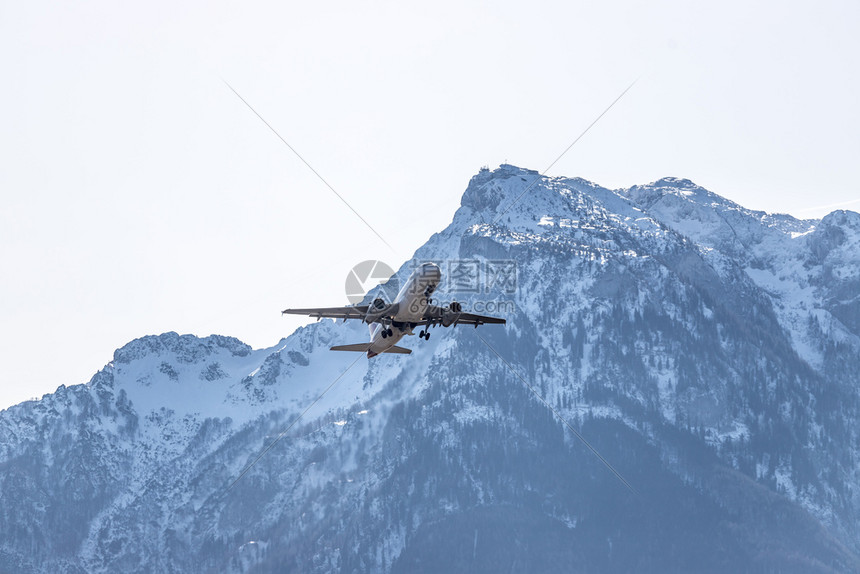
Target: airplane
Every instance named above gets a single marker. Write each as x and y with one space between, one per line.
411 308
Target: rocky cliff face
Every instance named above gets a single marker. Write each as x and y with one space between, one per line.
708 352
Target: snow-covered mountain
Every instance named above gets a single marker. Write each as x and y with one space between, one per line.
710 353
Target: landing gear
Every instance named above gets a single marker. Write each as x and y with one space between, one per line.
424 335
384 333
390 332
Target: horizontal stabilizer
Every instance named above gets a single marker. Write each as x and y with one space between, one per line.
398 350
360 347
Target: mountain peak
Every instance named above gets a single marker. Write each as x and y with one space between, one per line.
677 182
837 236
842 218
673 187
488 189
188 348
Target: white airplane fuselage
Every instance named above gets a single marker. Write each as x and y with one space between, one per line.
412 302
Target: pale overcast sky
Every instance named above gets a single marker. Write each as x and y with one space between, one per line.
141 196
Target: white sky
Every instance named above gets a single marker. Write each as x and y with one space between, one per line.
139 195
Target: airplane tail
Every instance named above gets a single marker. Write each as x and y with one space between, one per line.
363 347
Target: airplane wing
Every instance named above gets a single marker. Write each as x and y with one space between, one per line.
472 319
362 347
350 312
434 314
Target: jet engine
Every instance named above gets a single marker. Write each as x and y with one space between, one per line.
376 310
